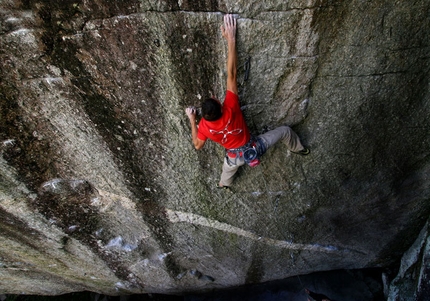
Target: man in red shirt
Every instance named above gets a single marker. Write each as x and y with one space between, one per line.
225 125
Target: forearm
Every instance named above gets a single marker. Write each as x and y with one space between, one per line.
191 113
194 133
232 59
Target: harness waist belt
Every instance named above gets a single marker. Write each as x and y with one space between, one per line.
255 143
242 148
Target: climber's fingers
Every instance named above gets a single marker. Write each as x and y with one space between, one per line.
229 29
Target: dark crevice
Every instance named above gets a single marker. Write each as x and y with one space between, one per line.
255 271
14 228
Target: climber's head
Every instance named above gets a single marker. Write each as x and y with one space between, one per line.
211 109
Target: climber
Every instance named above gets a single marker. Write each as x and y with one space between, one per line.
225 124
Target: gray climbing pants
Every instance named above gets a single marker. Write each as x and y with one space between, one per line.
270 138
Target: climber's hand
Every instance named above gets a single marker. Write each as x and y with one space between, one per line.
229 29
191 113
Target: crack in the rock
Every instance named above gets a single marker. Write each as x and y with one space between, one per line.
361 75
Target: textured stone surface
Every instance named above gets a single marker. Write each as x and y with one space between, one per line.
411 283
102 190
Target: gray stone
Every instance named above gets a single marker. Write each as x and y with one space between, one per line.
411 283
101 189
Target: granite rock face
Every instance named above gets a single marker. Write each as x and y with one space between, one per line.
101 188
411 283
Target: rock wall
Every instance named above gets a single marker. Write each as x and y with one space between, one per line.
101 188
411 283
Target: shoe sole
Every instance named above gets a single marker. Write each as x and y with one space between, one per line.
303 152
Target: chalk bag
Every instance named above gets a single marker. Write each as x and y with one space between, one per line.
251 157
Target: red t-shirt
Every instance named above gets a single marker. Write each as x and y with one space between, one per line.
230 130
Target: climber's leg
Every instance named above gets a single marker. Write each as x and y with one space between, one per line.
229 168
286 133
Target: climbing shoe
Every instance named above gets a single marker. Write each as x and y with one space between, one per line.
303 152
226 188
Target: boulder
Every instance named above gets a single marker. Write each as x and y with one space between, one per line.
102 190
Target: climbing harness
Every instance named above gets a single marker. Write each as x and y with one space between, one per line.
250 152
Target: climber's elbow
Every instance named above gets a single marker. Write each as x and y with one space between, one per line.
198 144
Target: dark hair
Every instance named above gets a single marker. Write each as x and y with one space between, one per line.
211 109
